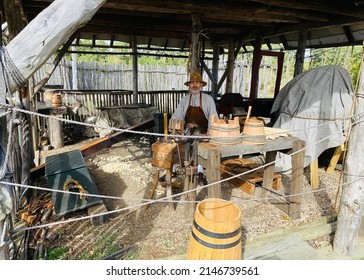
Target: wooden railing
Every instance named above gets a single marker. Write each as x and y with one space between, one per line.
93 100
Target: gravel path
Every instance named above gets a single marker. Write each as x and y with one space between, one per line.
124 170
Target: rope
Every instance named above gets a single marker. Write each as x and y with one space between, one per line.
10 70
9 146
145 133
309 118
146 203
5 227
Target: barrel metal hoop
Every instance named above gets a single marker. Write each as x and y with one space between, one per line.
214 234
215 246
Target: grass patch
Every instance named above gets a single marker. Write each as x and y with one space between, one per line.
57 253
104 247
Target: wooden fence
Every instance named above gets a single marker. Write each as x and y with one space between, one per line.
152 78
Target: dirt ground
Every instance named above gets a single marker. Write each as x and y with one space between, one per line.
123 173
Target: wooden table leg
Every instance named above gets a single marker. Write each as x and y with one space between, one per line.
169 187
213 173
269 169
298 157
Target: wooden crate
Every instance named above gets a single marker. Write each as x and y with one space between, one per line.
165 154
247 181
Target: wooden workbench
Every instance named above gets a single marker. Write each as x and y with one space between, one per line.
210 156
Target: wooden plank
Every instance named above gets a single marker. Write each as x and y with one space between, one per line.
100 144
273 133
247 182
115 138
314 174
279 144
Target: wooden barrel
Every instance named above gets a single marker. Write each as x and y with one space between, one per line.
47 96
228 132
253 131
56 100
216 231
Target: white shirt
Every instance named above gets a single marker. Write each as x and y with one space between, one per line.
208 106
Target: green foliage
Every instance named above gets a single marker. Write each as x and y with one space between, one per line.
347 57
57 253
104 247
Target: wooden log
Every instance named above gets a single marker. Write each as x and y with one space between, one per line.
46 33
352 197
55 133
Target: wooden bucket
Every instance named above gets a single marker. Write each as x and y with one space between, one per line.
253 131
228 132
216 231
56 100
176 126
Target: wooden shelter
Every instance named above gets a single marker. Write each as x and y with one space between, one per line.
207 28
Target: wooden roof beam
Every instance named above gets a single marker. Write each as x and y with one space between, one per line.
341 7
349 34
283 40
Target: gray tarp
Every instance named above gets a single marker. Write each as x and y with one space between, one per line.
313 106
123 118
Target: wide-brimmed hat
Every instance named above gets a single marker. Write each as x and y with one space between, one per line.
196 77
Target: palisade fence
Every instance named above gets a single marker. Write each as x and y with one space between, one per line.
104 85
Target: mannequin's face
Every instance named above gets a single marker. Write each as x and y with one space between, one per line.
195 87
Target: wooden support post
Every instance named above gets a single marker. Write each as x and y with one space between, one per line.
335 158
352 198
135 69
213 173
314 174
300 53
215 71
230 67
298 156
195 48
255 70
55 133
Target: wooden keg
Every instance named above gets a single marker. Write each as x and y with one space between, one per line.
253 132
57 100
226 131
216 231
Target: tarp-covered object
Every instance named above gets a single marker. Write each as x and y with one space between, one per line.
123 118
315 106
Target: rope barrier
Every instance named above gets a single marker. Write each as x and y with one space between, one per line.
146 201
